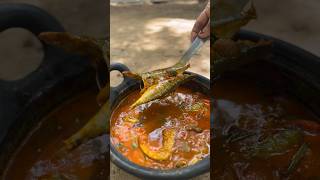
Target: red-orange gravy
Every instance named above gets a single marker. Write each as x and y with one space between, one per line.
243 105
180 111
38 157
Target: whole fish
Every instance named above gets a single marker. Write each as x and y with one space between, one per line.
82 45
165 72
97 51
159 73
153 77
96 126
228 24
161 89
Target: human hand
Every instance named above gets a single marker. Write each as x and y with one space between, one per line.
201 27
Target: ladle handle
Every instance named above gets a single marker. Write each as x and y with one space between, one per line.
194 48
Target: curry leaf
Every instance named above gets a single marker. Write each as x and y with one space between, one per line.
276 144
297 157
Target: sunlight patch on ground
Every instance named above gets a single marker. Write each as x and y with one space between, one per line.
174 27
146 42
177 26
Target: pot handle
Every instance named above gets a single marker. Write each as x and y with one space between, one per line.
29 17
15 95
126 80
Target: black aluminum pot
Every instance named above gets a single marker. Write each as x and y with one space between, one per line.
300 67
60 76
128 85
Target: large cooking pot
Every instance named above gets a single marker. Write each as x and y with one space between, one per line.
287 69
61 75
128 85
300 68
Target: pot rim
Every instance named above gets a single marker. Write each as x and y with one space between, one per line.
122 162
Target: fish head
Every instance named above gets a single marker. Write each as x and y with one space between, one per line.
131 75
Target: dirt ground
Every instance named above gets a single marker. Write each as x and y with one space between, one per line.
146 37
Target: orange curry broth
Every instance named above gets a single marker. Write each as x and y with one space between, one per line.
38 156
172 112
241 103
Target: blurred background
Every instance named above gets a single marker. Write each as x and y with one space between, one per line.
294 21
21 52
